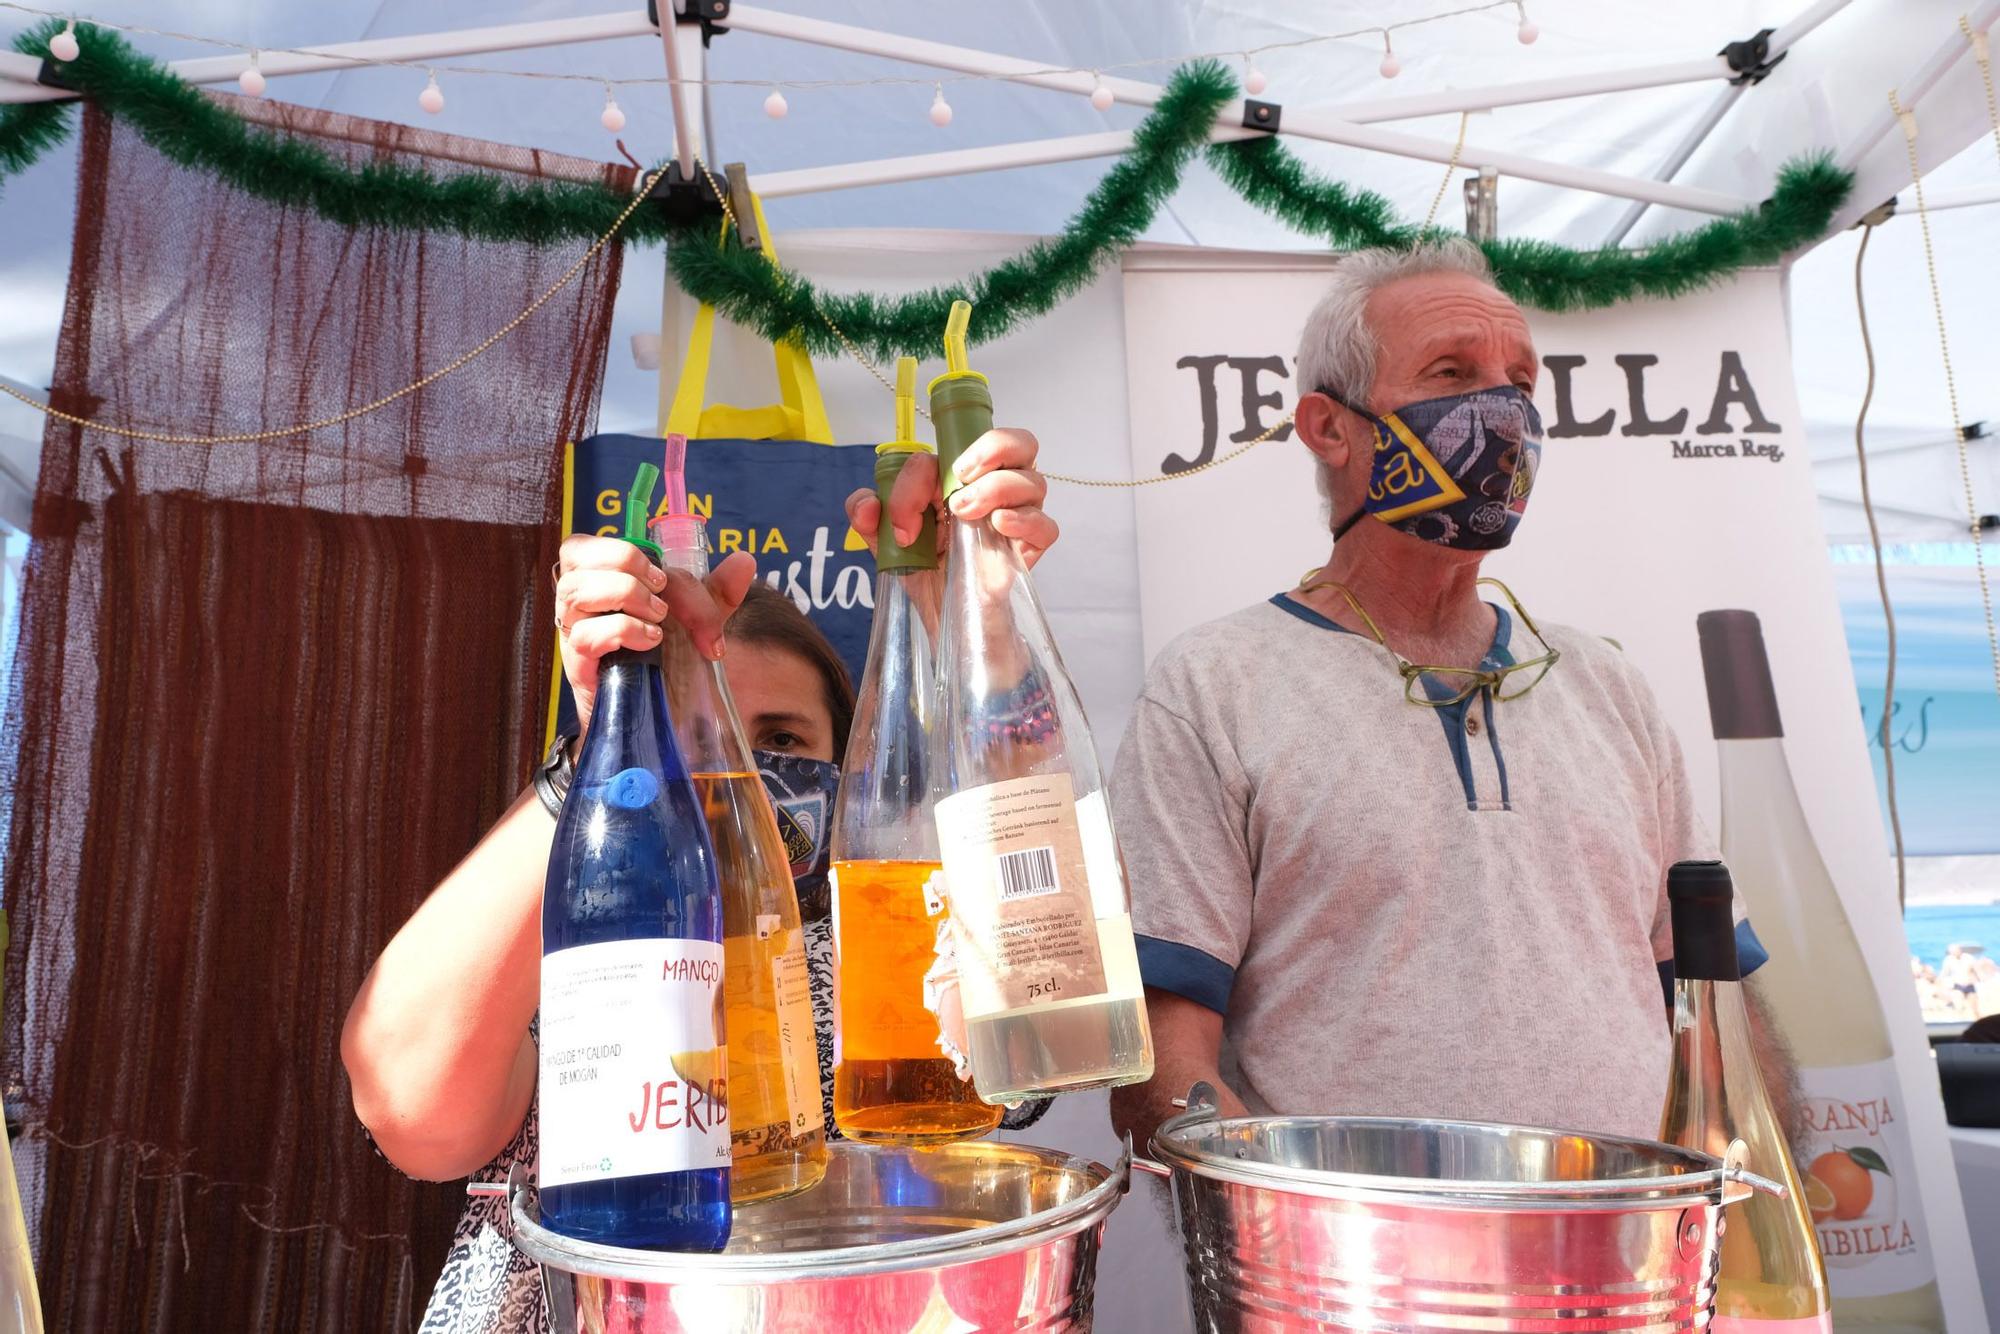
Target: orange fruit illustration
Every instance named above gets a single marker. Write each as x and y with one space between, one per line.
1819 1199
1846 1180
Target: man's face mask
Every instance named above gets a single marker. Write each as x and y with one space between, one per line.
1455 471
802 791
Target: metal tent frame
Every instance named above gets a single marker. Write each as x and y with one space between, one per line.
1352 124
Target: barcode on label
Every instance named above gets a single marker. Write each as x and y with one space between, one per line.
1027 873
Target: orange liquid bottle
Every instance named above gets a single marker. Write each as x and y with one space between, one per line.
777 1127
891 1081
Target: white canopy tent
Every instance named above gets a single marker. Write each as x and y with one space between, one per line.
1645 133
1615 107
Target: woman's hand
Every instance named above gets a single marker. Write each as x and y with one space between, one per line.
609 596
999 479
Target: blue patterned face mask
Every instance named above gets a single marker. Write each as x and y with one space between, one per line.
802 791
1455 471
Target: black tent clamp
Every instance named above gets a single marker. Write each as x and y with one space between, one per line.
710 14
1751 58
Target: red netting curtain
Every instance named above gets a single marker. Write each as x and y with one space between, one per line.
265 696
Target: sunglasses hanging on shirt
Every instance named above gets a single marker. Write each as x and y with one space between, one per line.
1509 682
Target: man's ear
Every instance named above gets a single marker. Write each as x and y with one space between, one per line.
1328 430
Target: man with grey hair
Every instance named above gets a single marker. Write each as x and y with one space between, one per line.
1396 849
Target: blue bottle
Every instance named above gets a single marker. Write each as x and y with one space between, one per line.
634 1102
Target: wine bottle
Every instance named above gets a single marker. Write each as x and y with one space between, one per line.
891 1081
1859 1173
777 1124
20 1299
1771 1280
1041 919
633 1092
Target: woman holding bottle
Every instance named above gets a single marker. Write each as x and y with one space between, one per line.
438 1042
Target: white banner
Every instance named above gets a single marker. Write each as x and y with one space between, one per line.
1675 480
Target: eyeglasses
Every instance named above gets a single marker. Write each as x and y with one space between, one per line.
1509 682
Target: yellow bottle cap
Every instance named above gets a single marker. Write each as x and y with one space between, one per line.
906 441
954 347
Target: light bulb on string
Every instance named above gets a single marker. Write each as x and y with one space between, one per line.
251 80
940 109
1254 81
63 45
1528 31
775 106
431 99
613 115
1100 96
1391 66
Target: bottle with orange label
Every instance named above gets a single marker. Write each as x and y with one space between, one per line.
1041 919
1860 1177
1771 1280
891 1080
777 1127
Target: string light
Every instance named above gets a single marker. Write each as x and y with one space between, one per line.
1527 32
940 109
251 80
775 106
1100 96
1254 78
431 99
1391 66
613 115
1254 81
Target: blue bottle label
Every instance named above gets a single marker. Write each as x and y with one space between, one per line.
634 1073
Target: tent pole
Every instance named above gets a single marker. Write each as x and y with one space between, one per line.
1784 38
1137 92
349 55
686 136
1305 123
927 166
958 162
1911 91
1696 136
1781 41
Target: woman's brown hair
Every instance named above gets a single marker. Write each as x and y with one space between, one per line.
770 620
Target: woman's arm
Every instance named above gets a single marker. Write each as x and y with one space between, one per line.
436 1042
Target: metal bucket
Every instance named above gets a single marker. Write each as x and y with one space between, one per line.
962 1237
1328 1223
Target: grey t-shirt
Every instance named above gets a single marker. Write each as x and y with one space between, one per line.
1405 911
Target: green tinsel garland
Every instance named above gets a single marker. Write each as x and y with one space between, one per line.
197 131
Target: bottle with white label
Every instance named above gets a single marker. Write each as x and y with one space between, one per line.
1770 1279
1041 920
633 1086
777 1124
1860 1175
892 1082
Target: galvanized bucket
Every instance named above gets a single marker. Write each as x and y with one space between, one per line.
1329 1223
958 1238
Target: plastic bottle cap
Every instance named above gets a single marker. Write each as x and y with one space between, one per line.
639 506
956 367
632 789
678 530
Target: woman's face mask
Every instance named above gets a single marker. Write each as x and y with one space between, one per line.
802 791
1455 471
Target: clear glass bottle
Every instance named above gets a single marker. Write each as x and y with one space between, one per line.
632 1091
1771 1279
1042 923
891 1081
20 1299
1859 1173
777 1124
